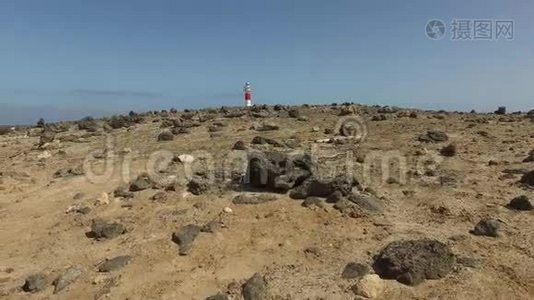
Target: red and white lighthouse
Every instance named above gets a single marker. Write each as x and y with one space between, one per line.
247 91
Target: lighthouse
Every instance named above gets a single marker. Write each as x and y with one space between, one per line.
247 91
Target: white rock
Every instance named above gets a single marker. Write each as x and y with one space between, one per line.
100 278
227 210
103 199
370 286
186 158
44 154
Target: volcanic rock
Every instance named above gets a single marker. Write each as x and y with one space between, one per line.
520 203
185 237
487 227
411 262
255 288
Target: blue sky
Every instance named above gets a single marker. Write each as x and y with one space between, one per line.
68 59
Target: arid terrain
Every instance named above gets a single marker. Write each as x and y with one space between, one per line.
270 202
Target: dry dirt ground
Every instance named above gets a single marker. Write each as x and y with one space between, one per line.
300 251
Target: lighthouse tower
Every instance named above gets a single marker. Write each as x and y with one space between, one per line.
247 90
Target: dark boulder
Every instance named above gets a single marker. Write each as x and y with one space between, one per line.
530 157
411 262
255 288
528 179
487 227
520 203
449 150
185 237
198 185
239 145
142 182
276 171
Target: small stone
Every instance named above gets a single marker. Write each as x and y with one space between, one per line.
368 202
142 182
103 230
355 270
185 237
103 199
166 136
67 278
448 151
255 288
227 210
520 203
35 283
78 208
487 227
186 158
239 145
114 264
370 286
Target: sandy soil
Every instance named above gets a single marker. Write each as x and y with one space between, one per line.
300 251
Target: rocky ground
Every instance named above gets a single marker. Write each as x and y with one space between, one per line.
273 202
